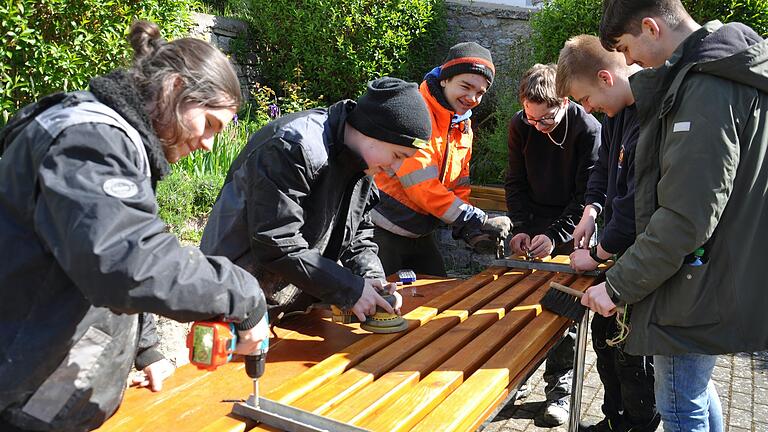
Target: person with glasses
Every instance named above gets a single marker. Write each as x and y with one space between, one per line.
552 146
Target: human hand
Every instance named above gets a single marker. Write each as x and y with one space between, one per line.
391 289
520 244
541 246
153 375
596 298
584 231
581 261
497 227
369 299
249 341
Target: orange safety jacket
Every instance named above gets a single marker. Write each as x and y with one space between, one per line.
432 186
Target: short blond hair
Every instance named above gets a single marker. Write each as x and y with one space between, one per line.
538 85
582 57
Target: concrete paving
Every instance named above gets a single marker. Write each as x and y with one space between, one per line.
741 381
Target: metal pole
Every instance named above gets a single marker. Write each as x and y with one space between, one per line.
578 373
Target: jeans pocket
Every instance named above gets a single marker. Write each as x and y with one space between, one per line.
689 298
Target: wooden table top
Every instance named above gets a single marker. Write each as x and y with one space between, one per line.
316 364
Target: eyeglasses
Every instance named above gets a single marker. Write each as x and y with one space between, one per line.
544 121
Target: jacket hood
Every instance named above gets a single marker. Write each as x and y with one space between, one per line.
732 51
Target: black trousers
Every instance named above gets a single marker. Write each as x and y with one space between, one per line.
627 379
418 254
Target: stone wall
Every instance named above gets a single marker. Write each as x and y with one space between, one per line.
221 32
495 26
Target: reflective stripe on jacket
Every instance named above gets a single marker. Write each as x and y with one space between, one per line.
432 186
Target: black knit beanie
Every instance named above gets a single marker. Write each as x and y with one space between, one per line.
468 57
393 111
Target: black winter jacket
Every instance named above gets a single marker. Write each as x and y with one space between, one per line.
84 252
294 206
611 186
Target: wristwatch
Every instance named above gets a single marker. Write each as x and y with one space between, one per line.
593 254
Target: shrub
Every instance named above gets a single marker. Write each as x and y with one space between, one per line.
55 45
558 20
340 45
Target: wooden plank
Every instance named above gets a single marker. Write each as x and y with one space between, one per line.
487 190
298 386
436 386
459 411
326 397
488 204
369 400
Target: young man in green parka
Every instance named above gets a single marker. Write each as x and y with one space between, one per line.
693 273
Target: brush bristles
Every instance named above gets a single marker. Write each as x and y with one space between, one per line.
563 304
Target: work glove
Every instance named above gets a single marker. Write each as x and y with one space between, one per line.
497 227
483 244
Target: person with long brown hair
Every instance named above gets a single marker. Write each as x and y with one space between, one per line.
87 258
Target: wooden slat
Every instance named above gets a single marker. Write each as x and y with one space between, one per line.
460 410
433 389
487 190
329 395
488 204
369 400
298 386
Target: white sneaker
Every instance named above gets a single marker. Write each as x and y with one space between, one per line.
555 413
523 392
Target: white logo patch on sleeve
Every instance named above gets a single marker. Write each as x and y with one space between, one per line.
682 127
120 188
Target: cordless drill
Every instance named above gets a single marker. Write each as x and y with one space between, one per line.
212 344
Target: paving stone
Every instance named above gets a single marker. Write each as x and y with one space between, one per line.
760 427
720 373
724 361
760 413
740 418
741 385
741 400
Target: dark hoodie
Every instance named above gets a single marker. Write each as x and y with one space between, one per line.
701 176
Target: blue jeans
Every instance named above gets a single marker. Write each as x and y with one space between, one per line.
686 397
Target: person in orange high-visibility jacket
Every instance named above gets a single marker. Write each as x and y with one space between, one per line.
431 187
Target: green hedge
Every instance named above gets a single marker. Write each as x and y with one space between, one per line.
558 20
336 46
55 45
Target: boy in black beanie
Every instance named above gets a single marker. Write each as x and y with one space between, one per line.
295 203
432 186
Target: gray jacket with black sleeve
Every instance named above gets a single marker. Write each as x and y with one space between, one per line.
84 252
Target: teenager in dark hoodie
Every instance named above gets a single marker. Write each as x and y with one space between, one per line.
599 81
693 274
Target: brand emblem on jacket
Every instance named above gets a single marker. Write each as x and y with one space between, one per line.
120 188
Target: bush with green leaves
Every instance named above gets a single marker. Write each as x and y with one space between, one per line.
58 45
339 45
558 20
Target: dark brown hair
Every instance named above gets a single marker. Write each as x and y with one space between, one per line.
625 17
172 74
538 85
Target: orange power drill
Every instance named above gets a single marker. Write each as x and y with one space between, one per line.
212 344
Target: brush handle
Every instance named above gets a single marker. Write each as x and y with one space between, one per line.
565 289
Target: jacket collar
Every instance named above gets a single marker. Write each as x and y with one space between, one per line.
118 91
338 150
